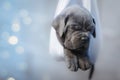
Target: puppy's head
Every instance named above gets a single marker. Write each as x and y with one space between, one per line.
74 26
78 30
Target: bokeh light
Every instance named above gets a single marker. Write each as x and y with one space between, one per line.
25 16
11 78
13 40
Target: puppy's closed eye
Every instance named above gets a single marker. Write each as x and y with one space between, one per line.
90 28
75 27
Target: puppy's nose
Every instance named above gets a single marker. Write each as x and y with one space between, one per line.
84 38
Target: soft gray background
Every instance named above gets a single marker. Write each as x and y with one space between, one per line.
32 60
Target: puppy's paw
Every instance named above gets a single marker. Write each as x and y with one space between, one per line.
84 64
71 60
72 64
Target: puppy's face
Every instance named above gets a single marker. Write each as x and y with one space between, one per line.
77 32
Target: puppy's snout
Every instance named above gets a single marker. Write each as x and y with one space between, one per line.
84 38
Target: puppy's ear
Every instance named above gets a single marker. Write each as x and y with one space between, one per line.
94 31
59 24
65 27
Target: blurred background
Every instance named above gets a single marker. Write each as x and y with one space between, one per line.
24 42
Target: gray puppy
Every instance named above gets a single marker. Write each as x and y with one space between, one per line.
74 27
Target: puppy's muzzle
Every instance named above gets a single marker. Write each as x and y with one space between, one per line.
79 40
85 37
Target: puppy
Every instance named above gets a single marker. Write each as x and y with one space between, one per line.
74 27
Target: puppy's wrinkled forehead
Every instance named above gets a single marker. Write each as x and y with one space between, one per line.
80 18
78 14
